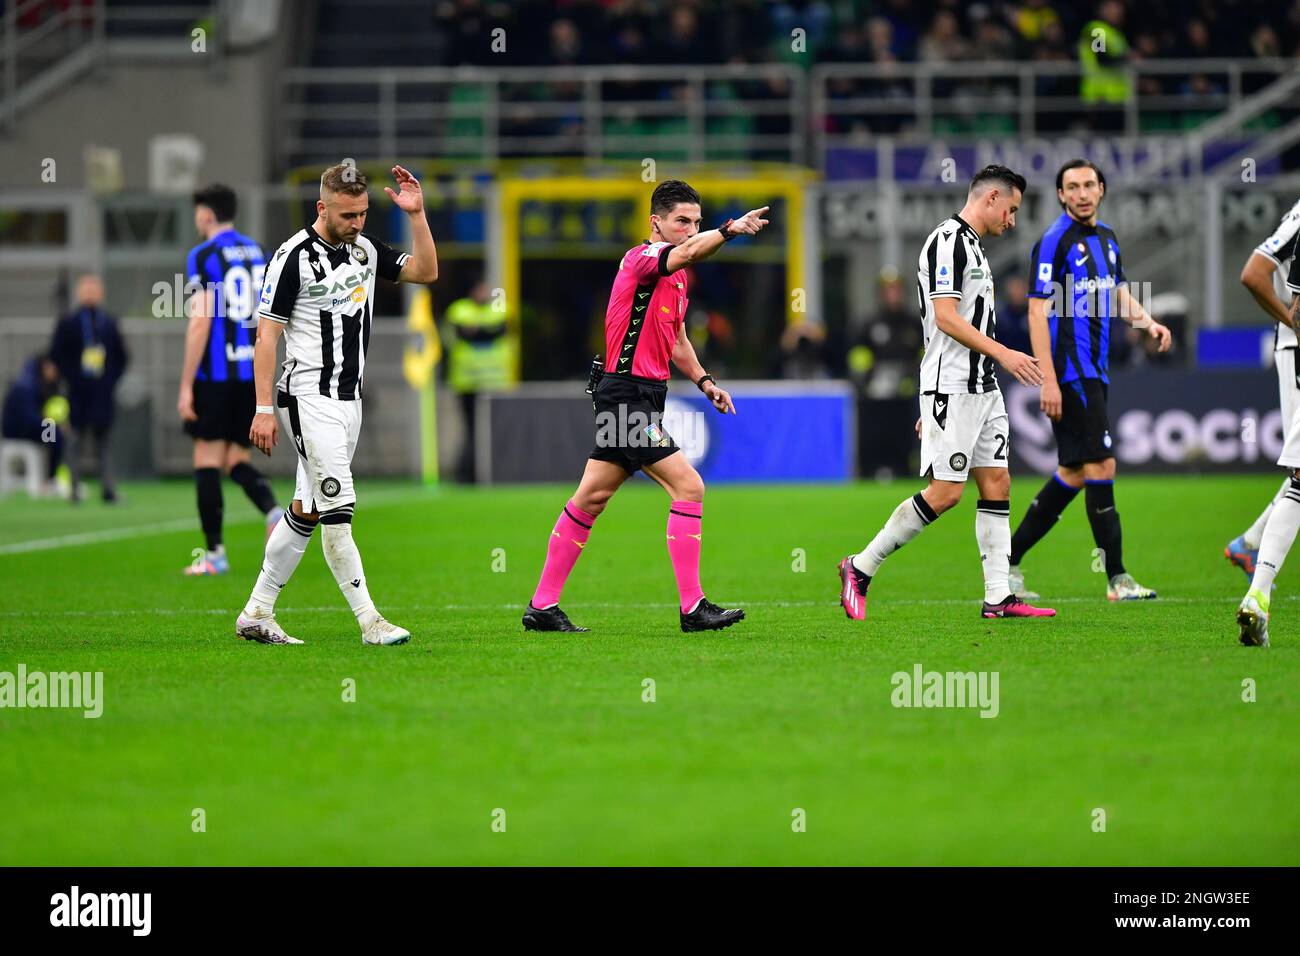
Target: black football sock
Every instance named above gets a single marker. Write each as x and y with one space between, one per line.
255 486
208 482
1043 512
1099 497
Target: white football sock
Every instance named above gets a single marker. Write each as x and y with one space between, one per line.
1279 535
284 549
993 533
907 521
344 559
1256 531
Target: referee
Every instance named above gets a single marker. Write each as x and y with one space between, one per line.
1077 285
644 332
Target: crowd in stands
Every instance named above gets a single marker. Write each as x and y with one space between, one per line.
580 32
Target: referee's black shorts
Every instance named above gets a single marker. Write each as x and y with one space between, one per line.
1083 433
629 422
225 411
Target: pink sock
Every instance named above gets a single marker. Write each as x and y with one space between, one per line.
571 532
685 519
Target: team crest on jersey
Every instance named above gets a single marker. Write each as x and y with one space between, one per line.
1112 255
329 487
1081 247
957 462
359 254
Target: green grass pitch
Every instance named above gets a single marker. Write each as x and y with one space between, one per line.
1134 709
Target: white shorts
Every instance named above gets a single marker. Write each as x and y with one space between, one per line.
962 431
325 434
1288 393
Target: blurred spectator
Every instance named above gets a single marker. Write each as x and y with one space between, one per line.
1032 20
943 43
802 352
482 360
1013 315
26 414
884 353
1264 41
1103 54
566 44
91 358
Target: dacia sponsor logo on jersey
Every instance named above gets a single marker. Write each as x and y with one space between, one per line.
319 289
241 353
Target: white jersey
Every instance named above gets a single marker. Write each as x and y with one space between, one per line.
322 294
952 266
1281 248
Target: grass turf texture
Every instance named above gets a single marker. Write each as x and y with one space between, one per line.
1136 709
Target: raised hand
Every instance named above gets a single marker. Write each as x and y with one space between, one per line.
409 198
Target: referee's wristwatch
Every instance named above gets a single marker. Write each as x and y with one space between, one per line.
727 234
706 377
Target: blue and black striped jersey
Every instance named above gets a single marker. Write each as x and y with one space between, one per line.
1078 267
232 266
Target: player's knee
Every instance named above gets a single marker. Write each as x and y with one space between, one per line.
1071 476
692 489
235 457
998 488
1102 470
592 501
297 509
943 495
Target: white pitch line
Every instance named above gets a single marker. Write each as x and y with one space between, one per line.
96 537
161 527
339 608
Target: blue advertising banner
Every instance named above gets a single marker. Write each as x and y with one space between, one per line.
780 432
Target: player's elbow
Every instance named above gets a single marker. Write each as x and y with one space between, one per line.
1253 277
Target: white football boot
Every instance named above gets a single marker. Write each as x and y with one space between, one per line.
1123 588
263 629
381 632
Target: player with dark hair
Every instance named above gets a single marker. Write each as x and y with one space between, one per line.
217 398
1077 285
963 423
644 331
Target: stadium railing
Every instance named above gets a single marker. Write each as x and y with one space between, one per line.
770 111
601 112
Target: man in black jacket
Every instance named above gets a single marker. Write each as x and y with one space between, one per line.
91 358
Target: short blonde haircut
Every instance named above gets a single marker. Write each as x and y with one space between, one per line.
344 178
